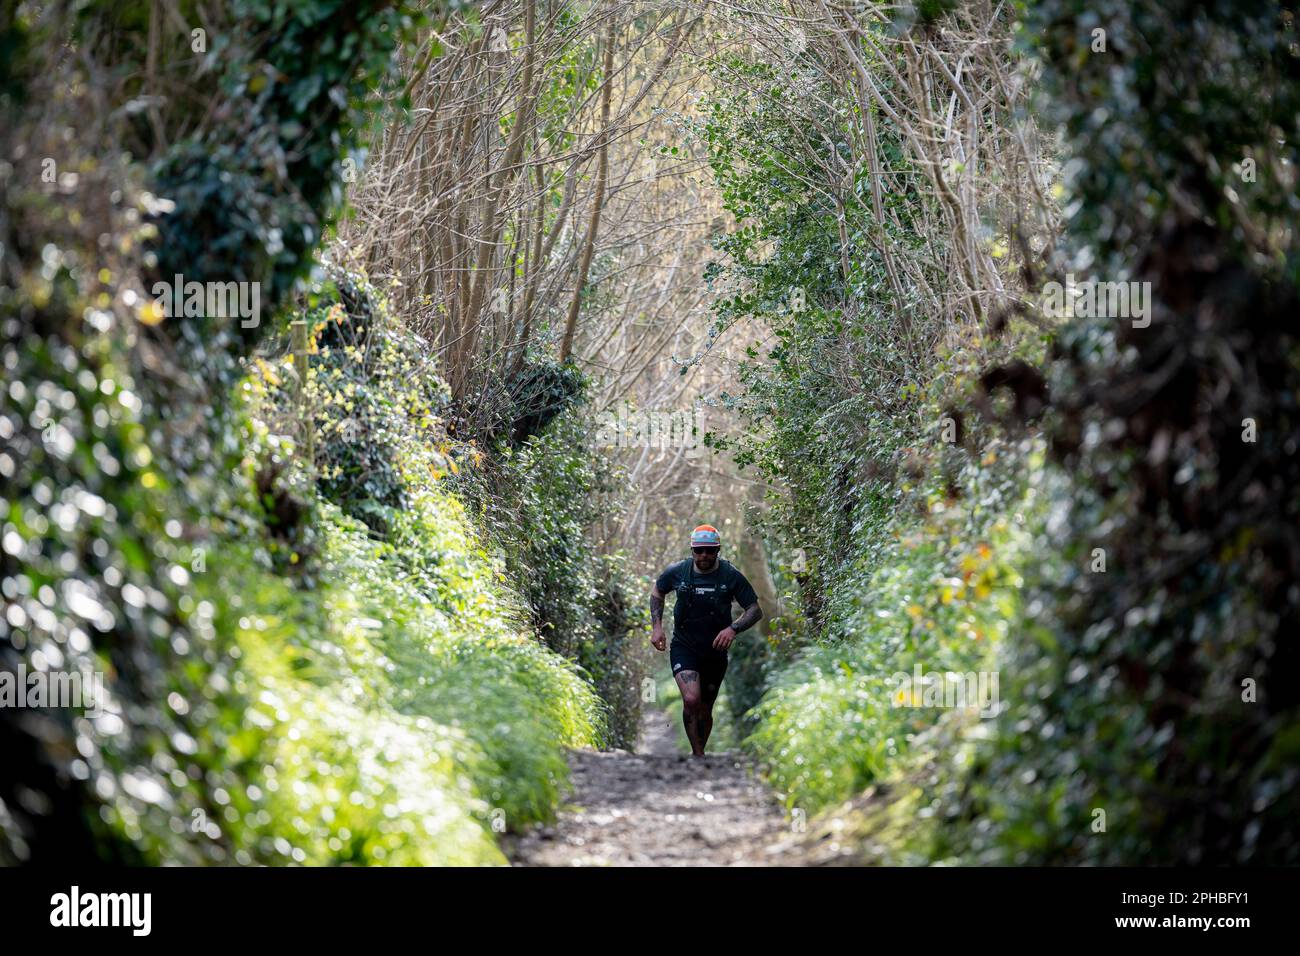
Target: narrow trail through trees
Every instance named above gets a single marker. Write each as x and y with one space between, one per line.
659 807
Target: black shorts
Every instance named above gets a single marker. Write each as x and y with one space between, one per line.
711 665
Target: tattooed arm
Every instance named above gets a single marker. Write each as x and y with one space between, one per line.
748 619
656 618
751 616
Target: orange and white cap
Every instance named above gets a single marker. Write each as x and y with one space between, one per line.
706 536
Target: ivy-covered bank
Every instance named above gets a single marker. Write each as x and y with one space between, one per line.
400 674
1100 512
305 661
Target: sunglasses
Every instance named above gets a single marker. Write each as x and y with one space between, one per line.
705 550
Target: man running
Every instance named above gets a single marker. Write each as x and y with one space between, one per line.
702 626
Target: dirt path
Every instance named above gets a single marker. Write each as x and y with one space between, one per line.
657 807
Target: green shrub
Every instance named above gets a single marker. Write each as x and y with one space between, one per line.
616 656
941 593
1131 693
281 686
541 503
254 188
370 393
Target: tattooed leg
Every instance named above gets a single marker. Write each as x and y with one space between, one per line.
692 701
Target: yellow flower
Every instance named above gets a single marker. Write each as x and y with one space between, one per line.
150 312
268 372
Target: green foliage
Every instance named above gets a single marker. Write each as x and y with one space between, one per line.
423 623
616 658
834 400
539 391
1134 685
540 503
328 771
576 76
100 538
370 393
832 405
939 591
280 686
1127 690
254 190
429 628
95 565
522 703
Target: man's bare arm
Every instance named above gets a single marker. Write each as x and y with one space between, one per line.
751 616
657 618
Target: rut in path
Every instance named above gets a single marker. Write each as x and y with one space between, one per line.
658 807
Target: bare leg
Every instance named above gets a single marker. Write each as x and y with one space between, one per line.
692 701
708 697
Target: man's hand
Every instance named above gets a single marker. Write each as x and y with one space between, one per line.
724 639
657 636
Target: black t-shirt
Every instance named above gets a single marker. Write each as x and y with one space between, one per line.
704 600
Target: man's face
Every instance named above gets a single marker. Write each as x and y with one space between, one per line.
706 559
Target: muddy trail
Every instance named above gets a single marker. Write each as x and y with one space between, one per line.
659 807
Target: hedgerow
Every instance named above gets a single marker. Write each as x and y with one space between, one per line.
282 683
